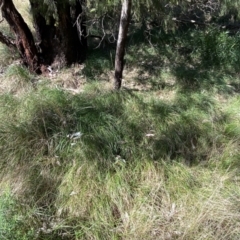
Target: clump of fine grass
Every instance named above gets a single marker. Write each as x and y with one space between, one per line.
17 80
127 176
150 200
7 56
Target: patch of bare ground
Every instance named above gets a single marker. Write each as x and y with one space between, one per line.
69 79
137 80
73 80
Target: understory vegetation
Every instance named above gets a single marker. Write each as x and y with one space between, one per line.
159 159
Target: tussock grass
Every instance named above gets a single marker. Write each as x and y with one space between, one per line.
157 160
144 167
16 80
7 57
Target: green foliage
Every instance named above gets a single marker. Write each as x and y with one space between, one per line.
19 72
217 48
12 221
50 9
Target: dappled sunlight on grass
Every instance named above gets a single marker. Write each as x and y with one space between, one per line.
142 166
157 160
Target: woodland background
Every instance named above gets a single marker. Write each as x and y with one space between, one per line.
157 159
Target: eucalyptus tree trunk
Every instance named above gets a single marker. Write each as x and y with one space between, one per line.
24 39
61 33
58 35
121 43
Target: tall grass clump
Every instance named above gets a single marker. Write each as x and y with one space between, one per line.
217 48
7 56
119 165
17 80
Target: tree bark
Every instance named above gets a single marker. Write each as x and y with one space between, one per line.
59 38
45 33
74 46
121 43
61 34
24 38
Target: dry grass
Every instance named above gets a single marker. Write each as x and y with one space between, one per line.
188 204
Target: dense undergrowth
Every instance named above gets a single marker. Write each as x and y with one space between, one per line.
157 160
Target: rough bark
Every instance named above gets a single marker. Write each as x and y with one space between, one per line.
24 39
121 43
74 48
45 33
59 40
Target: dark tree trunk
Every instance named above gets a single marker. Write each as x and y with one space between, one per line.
73 47
24 39
45 34
61 34
121 43
59 40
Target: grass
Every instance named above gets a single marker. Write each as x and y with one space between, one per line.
157 160
145 167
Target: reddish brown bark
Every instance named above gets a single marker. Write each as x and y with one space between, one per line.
60 42
121 43
24 39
